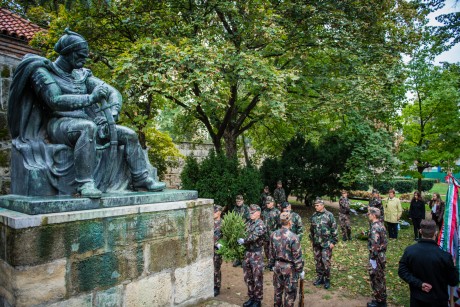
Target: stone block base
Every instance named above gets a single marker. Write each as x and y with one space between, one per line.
140 255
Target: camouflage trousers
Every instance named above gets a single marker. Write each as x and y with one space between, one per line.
322 257
378 282
267 249
284 281
253 269
345 225
217 273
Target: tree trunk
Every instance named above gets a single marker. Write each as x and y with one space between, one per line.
230 144
245 151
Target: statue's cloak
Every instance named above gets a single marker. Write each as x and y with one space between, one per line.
39 168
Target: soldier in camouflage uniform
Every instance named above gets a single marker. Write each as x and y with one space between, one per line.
323 234
217 258
279 195
376 202
377 245
263 197
253 263
286 257
296 220
243 210
271 218
344 216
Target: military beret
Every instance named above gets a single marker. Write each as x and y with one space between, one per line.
239 197
269 199
217 208
254 208
285 204
285 216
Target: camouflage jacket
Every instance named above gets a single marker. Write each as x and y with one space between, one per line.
243 211
285 247
279 195
263 199
377 203
344 205
297 226
256 235
323 229
271 219
377 242
217 232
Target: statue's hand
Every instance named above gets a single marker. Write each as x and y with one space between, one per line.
101 91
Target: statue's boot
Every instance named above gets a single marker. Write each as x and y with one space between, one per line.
150 184
89 190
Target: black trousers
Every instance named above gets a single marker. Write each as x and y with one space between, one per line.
416 222
392 230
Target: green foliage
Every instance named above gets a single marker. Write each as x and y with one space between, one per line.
430 120
233 228
427 184
190 173
221 178
272 69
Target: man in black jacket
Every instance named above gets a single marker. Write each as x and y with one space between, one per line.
428 270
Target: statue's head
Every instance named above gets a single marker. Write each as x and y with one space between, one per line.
73 48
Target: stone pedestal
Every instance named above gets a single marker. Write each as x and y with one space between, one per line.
141 255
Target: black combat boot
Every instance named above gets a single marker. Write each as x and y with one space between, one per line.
374 303
349 234
248 303
256 304
344 237
319 281
216 291
327 283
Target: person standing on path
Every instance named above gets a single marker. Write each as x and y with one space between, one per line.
344 216
428 270
271 218
323 234
279 194
242 210
287 263
376 202
296 220
417 213
263 197
253 263
377 245
393 212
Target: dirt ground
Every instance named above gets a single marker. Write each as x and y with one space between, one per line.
234 290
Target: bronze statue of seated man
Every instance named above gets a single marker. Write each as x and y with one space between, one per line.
62 103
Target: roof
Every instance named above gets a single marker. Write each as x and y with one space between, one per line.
16 26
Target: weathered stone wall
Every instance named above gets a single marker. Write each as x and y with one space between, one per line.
145 255
199 151
7 66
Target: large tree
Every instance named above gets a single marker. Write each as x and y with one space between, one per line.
269 67
431 118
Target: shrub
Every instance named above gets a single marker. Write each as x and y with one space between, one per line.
406 196
360 194
404 186
427 184
221 179
360 186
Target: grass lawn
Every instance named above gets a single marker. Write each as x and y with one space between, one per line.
440 188
349 275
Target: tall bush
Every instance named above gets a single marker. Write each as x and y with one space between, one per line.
221 179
